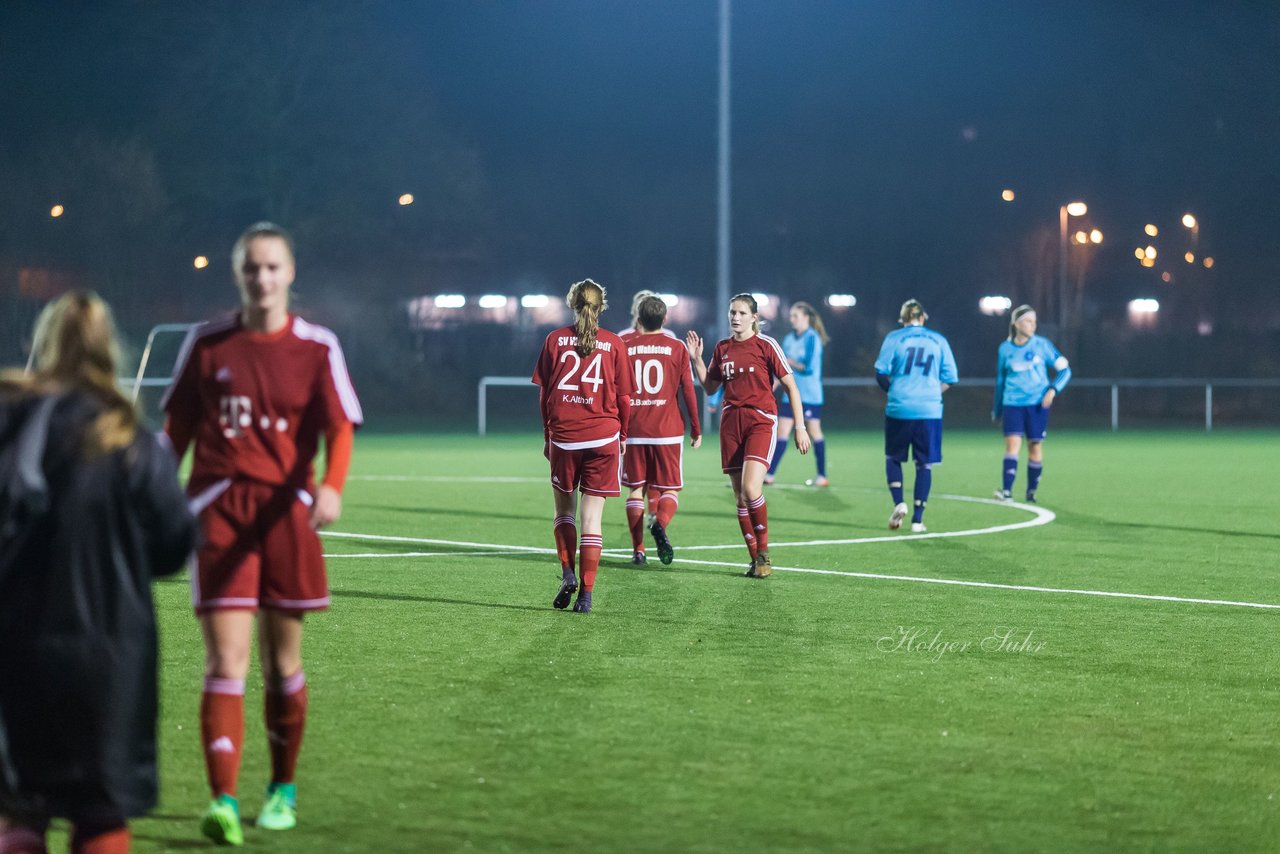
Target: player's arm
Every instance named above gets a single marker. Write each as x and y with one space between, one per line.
709 381
797 412
690 403
1062 376
884 367
947 372
622 378
339 440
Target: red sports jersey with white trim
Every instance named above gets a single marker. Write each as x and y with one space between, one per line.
256 404
660 371
584 399
748 369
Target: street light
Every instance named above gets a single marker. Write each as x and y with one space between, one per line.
1068 210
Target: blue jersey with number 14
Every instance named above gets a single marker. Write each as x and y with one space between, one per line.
917 361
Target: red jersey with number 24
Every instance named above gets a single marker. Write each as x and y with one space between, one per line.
748 369
585 399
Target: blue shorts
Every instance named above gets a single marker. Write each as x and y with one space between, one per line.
923 436
1029 421
812 411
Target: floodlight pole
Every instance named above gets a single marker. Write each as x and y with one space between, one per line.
722 231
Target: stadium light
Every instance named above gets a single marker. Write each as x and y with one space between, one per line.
994 306
670 299
1007 195
1139 253
1070 209
200 262
57 211
406 199
450 301
761 299
1150 252
1188 220
1077 208
1190 257
1151 230
493 301
1095 236
1144 306
1166 277
1208 261
1081 237
535 300
842 300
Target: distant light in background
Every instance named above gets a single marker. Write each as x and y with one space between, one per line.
994 306
761 299
1151 230
1095 236
1188 220
492 301
670 299
1081 237
535 300
1139 253
1191 257
450 301
1166 277
843 300
1205 327
1148 262
1208 261
1007 195
201 262
406 199
57 211
1142 312
1077 208
1150 252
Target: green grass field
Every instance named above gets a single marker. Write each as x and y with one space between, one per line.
696 710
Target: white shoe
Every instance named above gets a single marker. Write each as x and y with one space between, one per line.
918 528
895 518
1003 495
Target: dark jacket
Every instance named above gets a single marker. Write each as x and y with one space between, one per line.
77 624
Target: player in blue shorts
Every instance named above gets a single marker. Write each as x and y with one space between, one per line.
803 348
915 367
1024 396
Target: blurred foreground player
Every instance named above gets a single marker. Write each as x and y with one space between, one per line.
584 381
255 392
655 433
90 512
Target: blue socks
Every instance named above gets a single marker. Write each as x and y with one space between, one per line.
893 473
820 454
779 447
1033 476
924 482
1009 471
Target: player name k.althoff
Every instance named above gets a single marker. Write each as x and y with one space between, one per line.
909 639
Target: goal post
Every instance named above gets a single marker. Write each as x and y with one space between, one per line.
482 397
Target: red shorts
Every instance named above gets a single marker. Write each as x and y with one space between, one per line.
257 550
660 466
596 471
746 434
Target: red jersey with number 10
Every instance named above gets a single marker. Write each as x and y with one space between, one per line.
584 398
660 365
748 369
256 404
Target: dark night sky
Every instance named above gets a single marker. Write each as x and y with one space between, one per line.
550 140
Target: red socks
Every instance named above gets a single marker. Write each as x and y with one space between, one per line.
759 515
667 505
748 535
285 712
635 521
222 732
566 530
114 841
590 559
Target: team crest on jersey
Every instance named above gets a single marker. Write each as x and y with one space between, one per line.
223 375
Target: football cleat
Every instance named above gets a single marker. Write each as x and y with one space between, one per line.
1031 498
567 587
221 822
280 812
1004 495
639 558
918 528
895 518
764 566
751 568
820 480
665 553
583 605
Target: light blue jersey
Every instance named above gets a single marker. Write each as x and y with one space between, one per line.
807 350
1022 372
917 362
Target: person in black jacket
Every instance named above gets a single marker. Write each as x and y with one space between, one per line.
90 512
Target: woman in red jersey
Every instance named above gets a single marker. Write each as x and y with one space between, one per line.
254 392
746 365
585 395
